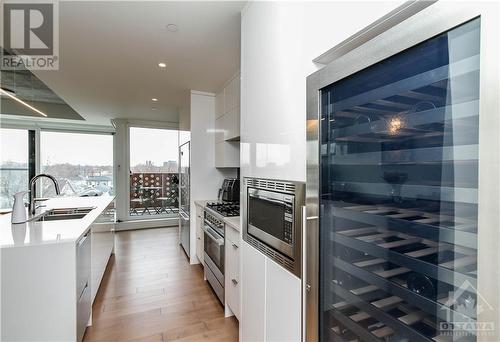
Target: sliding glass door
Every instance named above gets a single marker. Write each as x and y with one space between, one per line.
153 173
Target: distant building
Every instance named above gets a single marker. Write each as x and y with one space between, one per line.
99 181
170 166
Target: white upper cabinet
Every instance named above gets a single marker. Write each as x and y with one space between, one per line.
219 104
227 124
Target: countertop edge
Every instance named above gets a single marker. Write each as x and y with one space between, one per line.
234 221
86 225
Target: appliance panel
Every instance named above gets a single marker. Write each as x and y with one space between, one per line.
267 216
214 247
184 222
271 222
184 177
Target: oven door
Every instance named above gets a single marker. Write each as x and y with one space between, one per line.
214 252
266 219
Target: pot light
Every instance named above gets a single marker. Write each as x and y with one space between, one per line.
154 99
172 28
15 98
162 65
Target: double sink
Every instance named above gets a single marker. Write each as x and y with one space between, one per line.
64 214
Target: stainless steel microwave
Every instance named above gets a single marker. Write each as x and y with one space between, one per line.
272 221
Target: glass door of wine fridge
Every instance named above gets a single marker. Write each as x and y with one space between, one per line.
397 196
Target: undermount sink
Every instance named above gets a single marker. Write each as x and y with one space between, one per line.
64 214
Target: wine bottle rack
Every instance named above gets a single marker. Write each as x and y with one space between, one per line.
398 195
454 263
452 230
389 282
412 126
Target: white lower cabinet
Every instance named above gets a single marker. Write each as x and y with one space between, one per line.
84 260
232 270
253 295
103 242
283 304
270 300
199 234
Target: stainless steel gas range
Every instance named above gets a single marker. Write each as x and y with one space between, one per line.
214 232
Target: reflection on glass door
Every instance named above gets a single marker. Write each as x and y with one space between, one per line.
14 164
398 192
153 173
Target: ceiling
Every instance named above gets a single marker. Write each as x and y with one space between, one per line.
28 88
110 50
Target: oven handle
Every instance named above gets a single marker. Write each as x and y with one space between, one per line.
268 199
213 235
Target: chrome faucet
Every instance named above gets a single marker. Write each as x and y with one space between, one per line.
33 200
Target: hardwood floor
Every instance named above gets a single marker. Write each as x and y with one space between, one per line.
150 293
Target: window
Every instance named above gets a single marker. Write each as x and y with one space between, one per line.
153 172
81 162
14 164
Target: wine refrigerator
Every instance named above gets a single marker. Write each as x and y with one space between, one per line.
403 196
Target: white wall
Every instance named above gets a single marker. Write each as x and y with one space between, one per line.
279 41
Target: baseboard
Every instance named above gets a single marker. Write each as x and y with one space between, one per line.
140 224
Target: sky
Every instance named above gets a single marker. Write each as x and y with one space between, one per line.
13 145
76 148
157 145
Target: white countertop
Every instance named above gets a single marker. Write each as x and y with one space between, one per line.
35 233
203 203
233 221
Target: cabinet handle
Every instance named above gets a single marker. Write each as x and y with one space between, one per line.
235 282
199 238
82 240
235 246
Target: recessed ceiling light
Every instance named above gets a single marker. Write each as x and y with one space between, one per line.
172 27
154 99
162 65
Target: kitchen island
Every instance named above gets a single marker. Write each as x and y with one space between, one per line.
51 268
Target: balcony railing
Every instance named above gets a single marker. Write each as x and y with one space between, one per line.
154 193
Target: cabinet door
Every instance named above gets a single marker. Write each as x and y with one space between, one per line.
227 154
253 297
283 304
220 130
103 240
232 124
219 104
199 234
232 274
235 281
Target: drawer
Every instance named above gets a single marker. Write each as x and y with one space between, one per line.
232 235
83 313
83 263
233 286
